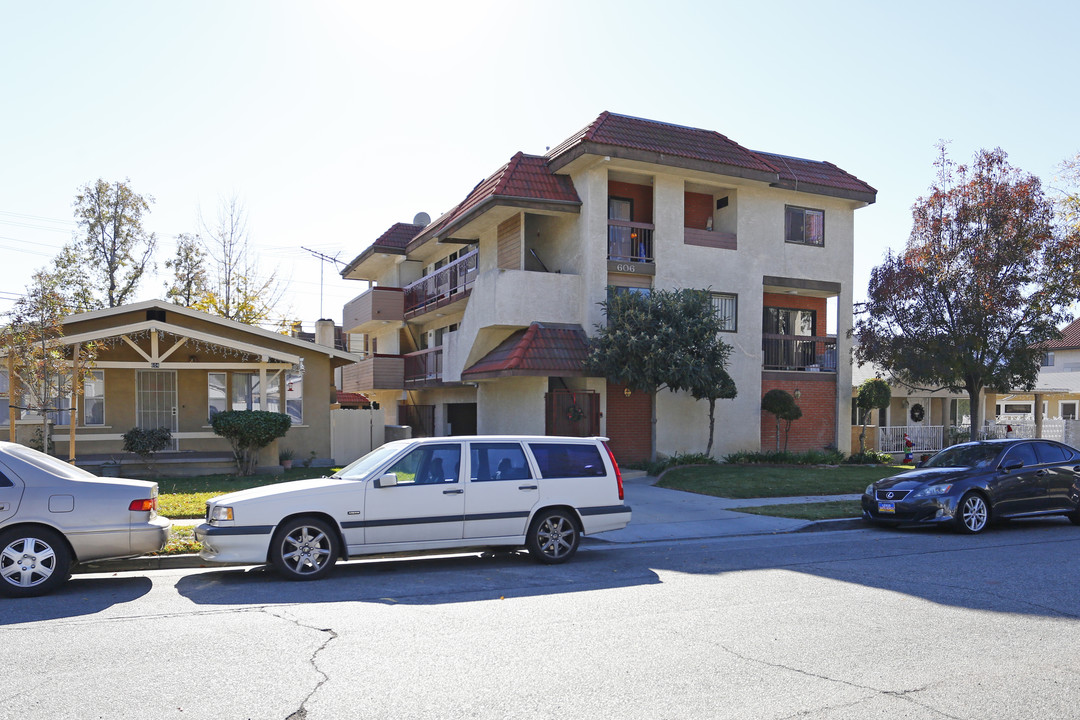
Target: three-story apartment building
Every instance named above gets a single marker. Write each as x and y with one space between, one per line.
478 321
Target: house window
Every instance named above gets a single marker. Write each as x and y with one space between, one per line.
725 306
960 411
804 226
1048 358
215 395
294 395
94 398
5 402
245 391
1067 409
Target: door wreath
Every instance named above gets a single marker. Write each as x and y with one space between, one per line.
918 412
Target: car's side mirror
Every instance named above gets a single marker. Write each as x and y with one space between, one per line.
387 480
1013 465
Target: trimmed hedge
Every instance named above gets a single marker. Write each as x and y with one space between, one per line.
249 431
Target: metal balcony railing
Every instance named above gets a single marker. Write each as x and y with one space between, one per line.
798 352
630 241
424 366
443 284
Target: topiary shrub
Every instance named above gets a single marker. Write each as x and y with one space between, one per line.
145 442
249 431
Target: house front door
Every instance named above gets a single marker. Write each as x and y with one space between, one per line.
155 400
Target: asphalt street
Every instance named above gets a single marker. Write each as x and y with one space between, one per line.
857 624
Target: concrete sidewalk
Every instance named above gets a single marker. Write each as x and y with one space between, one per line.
663 514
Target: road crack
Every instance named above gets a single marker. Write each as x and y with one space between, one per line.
331 635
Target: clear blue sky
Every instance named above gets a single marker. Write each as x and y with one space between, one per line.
333 120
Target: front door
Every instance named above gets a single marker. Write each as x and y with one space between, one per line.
155 400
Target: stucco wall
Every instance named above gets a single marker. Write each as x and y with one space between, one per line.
513 405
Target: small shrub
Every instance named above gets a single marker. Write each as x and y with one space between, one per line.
870 457
145 442
664 463
249 431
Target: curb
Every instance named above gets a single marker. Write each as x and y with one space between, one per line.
194 562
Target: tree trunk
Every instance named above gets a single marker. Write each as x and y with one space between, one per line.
777 433
976 411
712 424
862 437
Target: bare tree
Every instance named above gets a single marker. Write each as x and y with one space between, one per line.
236 288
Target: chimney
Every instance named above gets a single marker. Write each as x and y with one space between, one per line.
324 333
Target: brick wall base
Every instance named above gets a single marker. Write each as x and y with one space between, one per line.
629 424
816 429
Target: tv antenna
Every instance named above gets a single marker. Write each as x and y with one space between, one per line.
323 260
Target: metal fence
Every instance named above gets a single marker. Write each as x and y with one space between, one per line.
931 438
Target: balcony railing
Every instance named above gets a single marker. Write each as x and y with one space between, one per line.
424 366
798 352
443 285
630 241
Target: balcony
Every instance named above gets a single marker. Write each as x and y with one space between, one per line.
807 353
375 372
710 238
424 367
446 285
630 242
378 305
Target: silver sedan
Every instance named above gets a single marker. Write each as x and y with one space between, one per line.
53 515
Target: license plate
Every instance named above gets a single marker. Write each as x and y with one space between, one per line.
884 507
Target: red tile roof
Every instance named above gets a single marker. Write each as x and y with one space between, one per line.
1070 338
350 398
399 235
540 349
665 139
799 170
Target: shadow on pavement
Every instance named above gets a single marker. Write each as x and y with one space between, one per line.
79 596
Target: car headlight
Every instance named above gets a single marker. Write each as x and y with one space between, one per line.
932 490
221 512
870 490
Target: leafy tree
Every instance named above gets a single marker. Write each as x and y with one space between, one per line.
189 271
236 288
781 404
983 280
42 363
664 339
874 394
102 267
249 431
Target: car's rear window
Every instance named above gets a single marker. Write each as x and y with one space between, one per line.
1051 453
498 461
568 460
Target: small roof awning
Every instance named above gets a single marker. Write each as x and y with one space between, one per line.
542 349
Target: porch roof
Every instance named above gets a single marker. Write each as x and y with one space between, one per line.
542 349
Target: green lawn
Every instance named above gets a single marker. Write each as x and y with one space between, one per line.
756 481
186 497
833 510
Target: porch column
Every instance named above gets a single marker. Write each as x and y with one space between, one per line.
76 384
1038 415
263 388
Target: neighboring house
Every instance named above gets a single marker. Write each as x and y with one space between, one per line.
164 365
478 322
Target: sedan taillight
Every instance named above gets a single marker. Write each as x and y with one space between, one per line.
147 505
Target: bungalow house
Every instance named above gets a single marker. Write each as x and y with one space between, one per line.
162 365
479 321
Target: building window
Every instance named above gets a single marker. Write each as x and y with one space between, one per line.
94 398
804 226
726 306
245 391
215 395
1048 358
1067 409
294 396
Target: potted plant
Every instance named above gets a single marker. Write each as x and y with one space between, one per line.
285 457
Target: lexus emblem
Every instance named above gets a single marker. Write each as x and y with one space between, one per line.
889 495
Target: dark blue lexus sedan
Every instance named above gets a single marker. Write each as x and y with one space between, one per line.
971 484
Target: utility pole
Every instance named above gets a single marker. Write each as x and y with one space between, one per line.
323 260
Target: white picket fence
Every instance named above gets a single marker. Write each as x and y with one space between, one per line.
931 438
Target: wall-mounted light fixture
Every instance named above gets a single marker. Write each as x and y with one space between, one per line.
798 393
627 392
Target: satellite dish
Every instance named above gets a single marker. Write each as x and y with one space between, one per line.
422 218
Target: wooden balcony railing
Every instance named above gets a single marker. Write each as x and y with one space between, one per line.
630 241
442 285
424 366
798 352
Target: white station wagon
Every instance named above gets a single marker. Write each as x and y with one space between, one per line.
423 495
